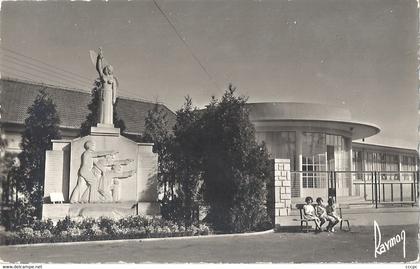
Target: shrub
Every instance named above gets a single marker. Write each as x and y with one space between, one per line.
106 224
204 229
90 229
46 234
133 221
74 232
64 225
23 215
86 223
132 227
114 229
26 233
41 225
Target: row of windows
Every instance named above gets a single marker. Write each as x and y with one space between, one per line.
280 145
380 161
377 161
314 181
325 152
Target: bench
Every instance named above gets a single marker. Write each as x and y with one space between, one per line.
303 221
343 220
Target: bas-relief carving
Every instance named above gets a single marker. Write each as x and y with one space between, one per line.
100 176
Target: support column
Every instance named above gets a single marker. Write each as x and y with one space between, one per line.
352 175
299 139
399 166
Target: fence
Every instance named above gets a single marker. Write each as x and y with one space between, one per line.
382 187
376 187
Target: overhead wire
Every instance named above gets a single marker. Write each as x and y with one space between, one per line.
52 79
50 76
36 76
195 57
35 66
9 74
26 62
73 75
72 84
37 60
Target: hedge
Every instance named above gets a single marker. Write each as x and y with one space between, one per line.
104 228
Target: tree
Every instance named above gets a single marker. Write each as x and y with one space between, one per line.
217 162
92 118
187 157
3 161
118 122
178 173
157 132
236 169
41 126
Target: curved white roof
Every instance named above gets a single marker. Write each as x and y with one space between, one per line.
311 115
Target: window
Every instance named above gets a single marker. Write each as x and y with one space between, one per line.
357 164
314 164
314 160
369 161
391 165
408 164
280 145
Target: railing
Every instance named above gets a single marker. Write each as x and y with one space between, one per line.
317 183
377 187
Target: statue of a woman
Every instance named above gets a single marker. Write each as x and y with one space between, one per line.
108 90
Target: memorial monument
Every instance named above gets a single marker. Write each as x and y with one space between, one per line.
104 173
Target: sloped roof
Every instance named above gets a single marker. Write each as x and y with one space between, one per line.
16 96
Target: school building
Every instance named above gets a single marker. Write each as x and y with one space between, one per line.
319 142
317 139
71 104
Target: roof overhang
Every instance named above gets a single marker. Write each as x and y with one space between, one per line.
357 130
308 117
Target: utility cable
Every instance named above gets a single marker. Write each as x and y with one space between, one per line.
186 44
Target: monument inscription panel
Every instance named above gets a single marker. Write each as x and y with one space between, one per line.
53 172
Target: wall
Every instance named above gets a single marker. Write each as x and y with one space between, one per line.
282 189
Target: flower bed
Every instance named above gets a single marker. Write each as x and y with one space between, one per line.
71 230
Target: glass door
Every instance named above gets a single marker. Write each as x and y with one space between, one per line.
314 166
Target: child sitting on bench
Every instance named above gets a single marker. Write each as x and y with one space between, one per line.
309 213
333 217
320 211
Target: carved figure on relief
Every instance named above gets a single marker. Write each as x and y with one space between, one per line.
86 189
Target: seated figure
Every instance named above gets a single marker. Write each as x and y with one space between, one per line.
309 213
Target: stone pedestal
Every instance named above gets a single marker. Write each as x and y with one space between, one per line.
104 130
111 210
122 181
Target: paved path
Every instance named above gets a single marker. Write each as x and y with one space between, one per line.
357 245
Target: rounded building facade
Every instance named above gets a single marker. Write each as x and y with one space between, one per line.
316 138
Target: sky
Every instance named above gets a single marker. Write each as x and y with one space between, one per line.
360 55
